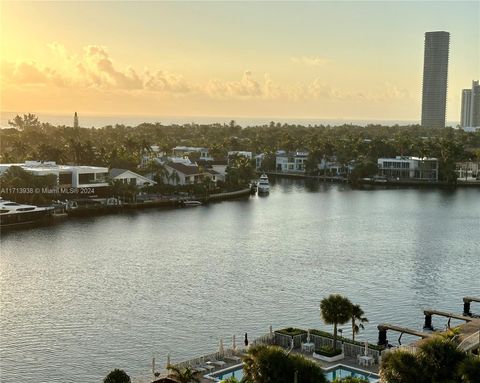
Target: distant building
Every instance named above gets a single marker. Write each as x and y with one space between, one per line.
475 112
290 161
470 117
239 153
180 151
182 174
75 120
67 176
435 74
413 168
465 117
129 177
467 171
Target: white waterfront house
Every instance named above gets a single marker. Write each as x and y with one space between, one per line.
67 175
330 166
129 177
291 161
239 153
182 173
150 155
413 168
180 151
468 171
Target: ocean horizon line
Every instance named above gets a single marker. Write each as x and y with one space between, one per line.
88 120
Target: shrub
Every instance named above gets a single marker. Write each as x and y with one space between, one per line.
328 351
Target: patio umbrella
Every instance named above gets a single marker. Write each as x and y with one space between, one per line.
221 350
234 346
168 360
308 336
366 348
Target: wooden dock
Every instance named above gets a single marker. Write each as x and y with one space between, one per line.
403 330
447 315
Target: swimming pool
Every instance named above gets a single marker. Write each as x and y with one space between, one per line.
341 371
337 371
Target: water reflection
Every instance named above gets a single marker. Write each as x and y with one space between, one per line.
89 295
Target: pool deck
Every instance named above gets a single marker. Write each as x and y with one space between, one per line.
347 361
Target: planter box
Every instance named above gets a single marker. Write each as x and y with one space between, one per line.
329 359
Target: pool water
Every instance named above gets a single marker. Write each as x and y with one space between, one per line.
237 373
339 371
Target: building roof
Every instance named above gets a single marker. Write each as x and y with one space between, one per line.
185 169
116 172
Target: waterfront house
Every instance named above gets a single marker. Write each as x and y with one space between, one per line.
182 151
182 173
149 155
467 171
239 153
68 176
331 167
129 177
291 161
409 168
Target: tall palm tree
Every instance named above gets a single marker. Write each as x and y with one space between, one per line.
185 375
335 309
357 315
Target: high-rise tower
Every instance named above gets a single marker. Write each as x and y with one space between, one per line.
475 112
435 73
466 108
470 116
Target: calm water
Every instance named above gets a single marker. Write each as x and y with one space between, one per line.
87 296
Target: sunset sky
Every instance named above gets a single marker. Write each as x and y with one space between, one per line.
354 60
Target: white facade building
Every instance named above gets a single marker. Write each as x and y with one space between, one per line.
290 162
129 177
413 168
67 175
180 151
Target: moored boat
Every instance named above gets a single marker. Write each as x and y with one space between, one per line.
190 203
15 215
263 185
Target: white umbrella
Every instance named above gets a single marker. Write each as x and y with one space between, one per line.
221 351
308 336
366 348
234 346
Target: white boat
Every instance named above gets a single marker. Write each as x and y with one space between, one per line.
263 185
14 214
191 203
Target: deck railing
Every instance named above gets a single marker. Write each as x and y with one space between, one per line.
470 343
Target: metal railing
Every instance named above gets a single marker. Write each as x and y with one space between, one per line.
470 343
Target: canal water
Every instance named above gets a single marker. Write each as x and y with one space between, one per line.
87 296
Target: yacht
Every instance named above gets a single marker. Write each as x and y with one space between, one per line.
14 214
263 186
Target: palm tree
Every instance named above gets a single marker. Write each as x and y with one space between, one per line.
469 370
335 309
401 367
266 364
117 376
357 315
440 359
185 375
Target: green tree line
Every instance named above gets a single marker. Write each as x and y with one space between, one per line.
123 146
